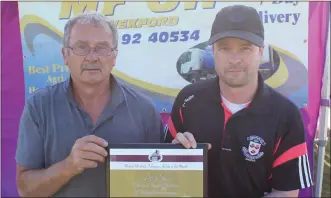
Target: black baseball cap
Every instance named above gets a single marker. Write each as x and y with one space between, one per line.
238 21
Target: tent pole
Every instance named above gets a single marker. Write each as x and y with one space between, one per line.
324 121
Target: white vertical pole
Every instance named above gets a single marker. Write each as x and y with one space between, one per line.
324 121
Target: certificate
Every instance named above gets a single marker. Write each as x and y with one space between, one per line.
156 170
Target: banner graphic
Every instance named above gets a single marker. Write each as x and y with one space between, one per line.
163 46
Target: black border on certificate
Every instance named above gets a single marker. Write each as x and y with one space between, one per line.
158 146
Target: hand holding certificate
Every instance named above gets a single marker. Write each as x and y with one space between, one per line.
186 139
156 170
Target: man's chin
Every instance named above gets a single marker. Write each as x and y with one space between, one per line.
93 80
92 72
235 83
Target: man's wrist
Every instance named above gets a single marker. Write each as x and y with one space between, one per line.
67 169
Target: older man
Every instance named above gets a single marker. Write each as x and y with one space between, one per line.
65 128
256 136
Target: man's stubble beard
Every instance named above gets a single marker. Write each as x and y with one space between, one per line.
234 82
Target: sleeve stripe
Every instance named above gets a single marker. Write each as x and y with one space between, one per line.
290 154
309 180
166 129
181 115
277 145
172 128
170 125
300 173
304 175
305 169
308 163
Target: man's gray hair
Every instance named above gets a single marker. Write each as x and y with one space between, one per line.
89 18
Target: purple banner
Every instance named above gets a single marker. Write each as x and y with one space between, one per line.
319 13
13 96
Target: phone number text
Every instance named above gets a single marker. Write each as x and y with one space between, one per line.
161 37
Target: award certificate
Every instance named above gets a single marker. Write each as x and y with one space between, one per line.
156 170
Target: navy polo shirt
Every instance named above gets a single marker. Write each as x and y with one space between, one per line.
52 121
259 148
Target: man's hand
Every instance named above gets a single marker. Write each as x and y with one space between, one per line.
187 140
86 153
277 193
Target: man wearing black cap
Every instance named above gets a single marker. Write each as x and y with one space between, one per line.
256 136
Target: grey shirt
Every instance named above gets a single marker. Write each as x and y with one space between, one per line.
52 121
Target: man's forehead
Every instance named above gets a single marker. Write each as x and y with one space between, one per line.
87 33
95 41
89 28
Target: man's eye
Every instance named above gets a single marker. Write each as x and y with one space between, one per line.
223 48
245 48
101 48
82 46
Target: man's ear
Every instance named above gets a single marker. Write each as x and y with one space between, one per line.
213 48
115 53
65 56
261 51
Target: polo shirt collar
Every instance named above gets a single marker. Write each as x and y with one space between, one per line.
117 95
260 103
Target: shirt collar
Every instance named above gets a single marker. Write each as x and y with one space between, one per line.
260 102
117 94
261 99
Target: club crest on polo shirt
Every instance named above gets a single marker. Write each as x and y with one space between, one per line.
252 151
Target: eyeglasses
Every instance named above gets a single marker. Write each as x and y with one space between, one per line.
83 50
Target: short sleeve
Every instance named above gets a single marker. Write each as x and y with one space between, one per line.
291 169
175 122
30 145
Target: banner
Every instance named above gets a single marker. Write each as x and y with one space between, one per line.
12 94
162 48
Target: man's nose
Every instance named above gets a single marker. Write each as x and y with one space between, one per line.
234 58
91 56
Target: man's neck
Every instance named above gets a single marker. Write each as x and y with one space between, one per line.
239 95
88 96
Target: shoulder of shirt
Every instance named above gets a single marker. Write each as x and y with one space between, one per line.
196 88
43 95
281 103
134 96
